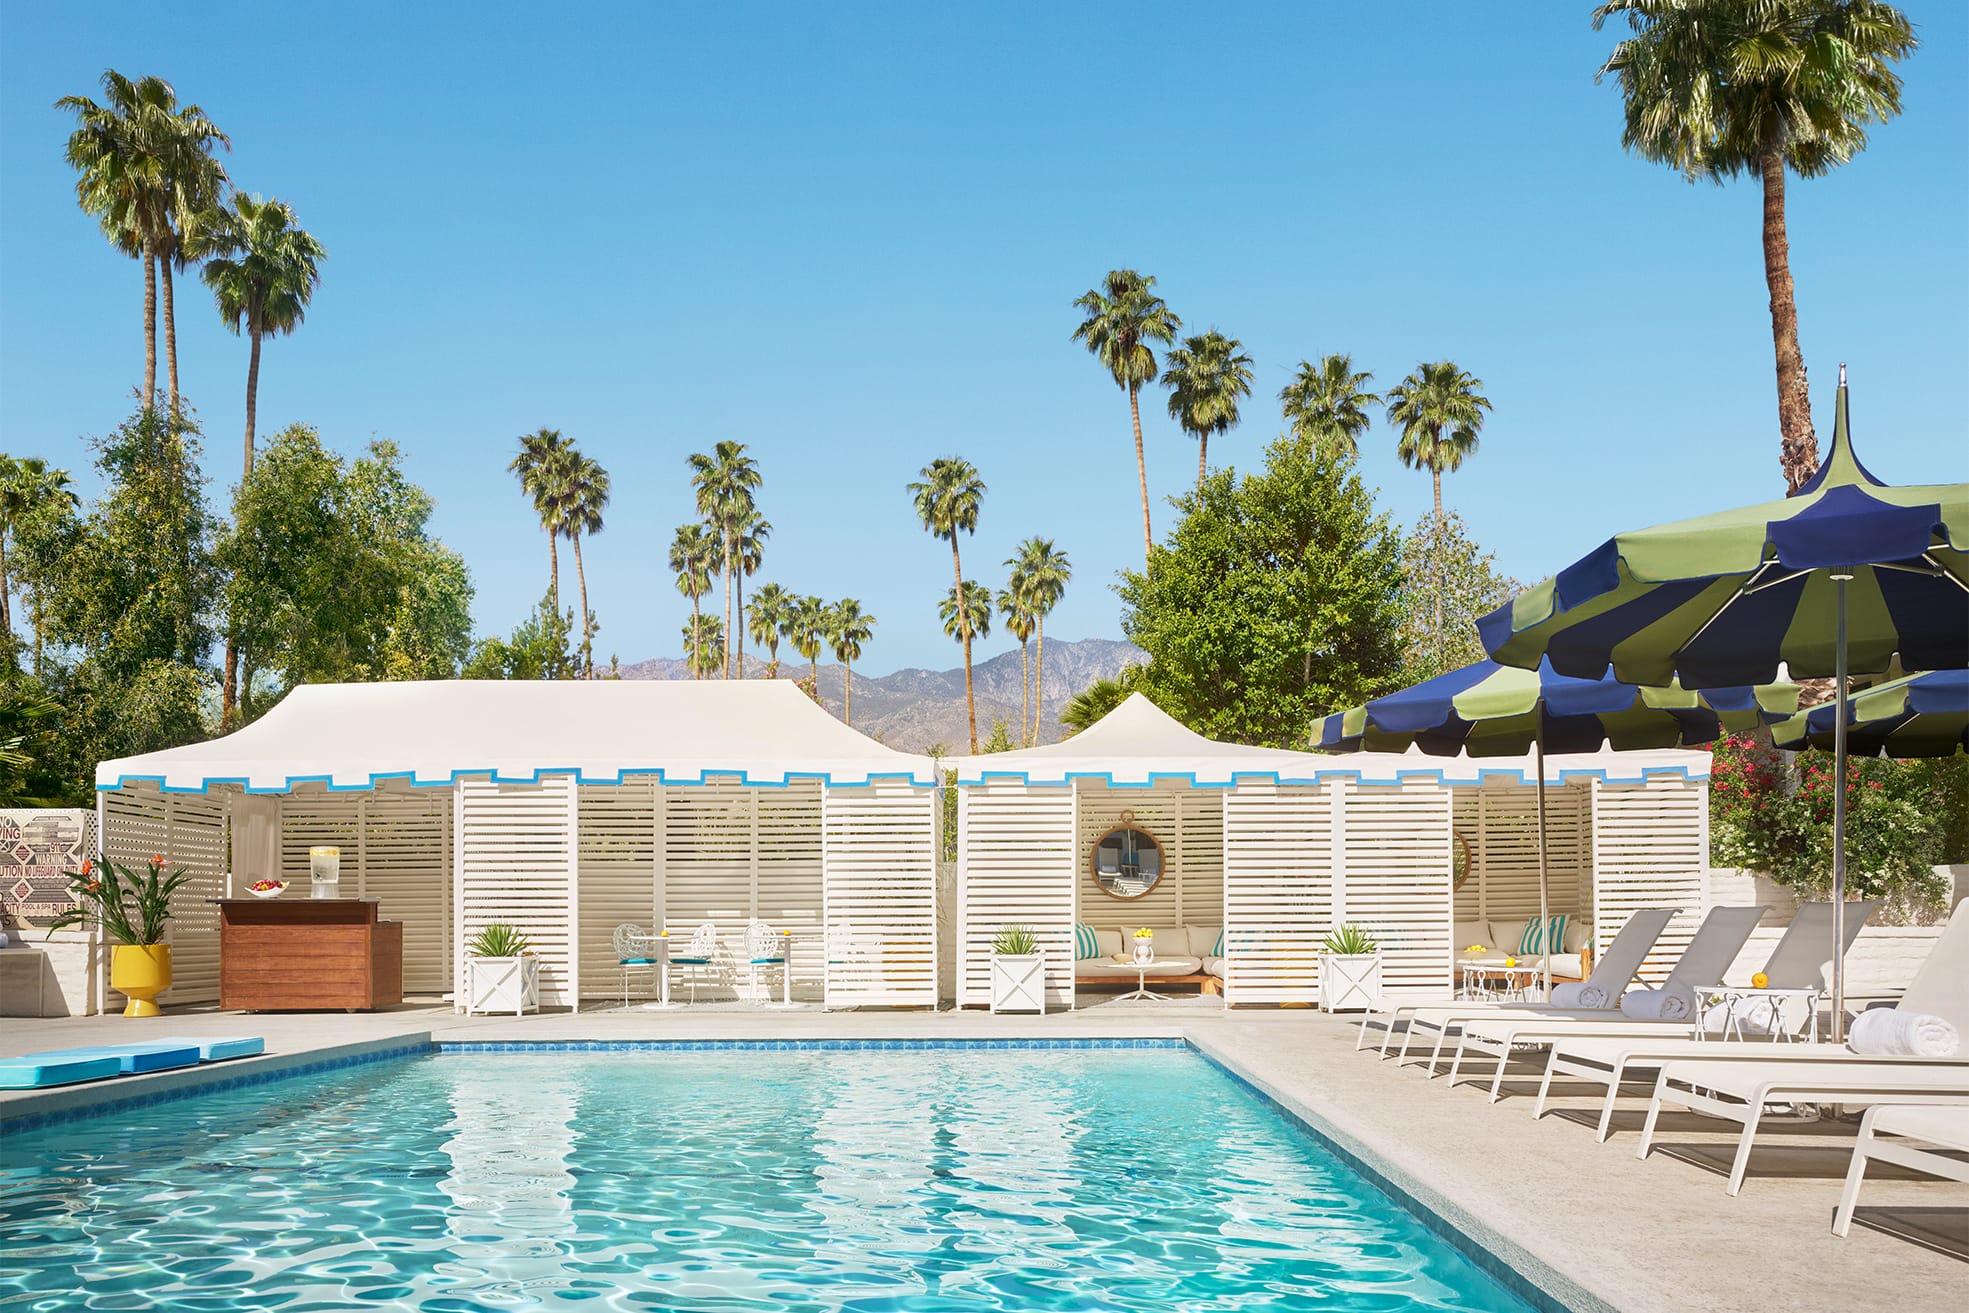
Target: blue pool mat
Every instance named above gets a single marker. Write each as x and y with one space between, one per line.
222 1047
38 1071
133 1058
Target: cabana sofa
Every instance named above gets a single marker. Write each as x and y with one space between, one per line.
1183 955
1501 938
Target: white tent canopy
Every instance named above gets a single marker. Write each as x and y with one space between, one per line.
1138 745
351 736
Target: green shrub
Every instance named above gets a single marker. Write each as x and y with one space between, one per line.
1015 941
499 940
1350 941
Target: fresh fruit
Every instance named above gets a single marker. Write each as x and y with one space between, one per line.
1759 981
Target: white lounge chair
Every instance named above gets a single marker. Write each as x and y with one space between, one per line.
1942 1126
1716 943
1611 974
1801 960
1738 1091
1940 988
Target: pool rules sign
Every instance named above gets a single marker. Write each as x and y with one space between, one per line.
38 845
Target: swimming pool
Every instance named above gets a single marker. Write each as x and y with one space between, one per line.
884 1181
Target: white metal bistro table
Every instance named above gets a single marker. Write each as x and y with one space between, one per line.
1495 982
658 947
1739 1004
1142 991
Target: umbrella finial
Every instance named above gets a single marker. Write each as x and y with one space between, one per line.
1842 373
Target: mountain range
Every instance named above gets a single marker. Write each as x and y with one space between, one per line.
913 709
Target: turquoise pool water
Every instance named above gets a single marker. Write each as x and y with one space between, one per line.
1084 1181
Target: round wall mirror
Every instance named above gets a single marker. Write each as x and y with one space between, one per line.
1459 860
1127 862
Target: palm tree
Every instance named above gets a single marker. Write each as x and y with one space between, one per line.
542 467
1019 621
1206 376
724 480
1716 88
1122 316
766 621
1327 403
977 611
805 627
586 489
848 627
947 500
263 272
1043 572
753 530
1439 412
704 645
146 169
691 554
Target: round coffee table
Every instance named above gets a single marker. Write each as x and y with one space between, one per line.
1142 991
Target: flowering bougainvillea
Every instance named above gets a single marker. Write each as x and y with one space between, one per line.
1771 811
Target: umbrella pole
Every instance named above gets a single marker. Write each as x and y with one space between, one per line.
1839 810
1544 912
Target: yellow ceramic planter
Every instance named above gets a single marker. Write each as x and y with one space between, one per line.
140 972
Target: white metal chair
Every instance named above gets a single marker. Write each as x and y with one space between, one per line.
764 947
632 950
703 945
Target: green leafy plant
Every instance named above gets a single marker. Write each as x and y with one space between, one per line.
499 940
131 908
1015 941
1350 941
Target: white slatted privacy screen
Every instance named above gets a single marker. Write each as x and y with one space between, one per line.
1016 865
1396 846
1189 824
620 880
1499 821
514 861
880 914
1650 849
1279 880
185 829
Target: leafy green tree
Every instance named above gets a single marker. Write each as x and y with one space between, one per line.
25 712
33 499
848 627
948 499
1100 697
146 171
1001 737
1717 88
692 551
427 624
538 648
806 629
766 621
1327 403
1206 376
1276 600
1119 320
725 479
262 268
1447 583
1439 412
1040 574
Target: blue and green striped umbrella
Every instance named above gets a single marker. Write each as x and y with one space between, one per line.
1924 715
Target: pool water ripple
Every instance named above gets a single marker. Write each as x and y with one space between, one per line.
717 1182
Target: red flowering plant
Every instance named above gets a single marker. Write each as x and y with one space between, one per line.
131 908
1771 811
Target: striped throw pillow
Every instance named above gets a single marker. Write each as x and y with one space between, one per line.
1540 933
1217 949
1085 944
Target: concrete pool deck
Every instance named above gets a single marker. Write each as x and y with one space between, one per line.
1588 1224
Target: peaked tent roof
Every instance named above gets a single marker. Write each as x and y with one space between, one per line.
1138 744
350 736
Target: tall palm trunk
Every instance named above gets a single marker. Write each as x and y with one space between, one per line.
587 627
741 623
731 551
554 572
1202 457
848 700
1436 478
1798 445
1025 702
170 332
1039 678
150 327
964 632
1141 472
229 691
697 635
6 608
252 393
813 671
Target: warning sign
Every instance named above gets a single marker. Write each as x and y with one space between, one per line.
38 847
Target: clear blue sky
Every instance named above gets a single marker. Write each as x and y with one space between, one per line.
849 236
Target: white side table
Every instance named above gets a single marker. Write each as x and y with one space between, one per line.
1142 991
1737 1002
1497 983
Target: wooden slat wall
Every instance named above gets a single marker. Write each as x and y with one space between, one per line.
1396 843
514 860
1500 821
1188 823
1278 890
1650 849
1017 863
790 887
186 829
396 848
880 914
617 842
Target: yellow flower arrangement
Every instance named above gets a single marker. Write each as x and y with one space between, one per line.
1476 948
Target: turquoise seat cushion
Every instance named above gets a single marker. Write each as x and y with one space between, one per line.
638 961
38 1071
222 1047
690 961
765 961
136 1058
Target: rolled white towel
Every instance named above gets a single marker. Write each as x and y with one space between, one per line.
1580 994
1657 1004
1890 1032
1757 1016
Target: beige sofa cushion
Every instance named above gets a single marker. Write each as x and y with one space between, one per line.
1579 933
1202 939
1507 935
1109 941
1472 932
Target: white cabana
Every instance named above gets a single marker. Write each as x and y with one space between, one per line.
1277 847
564 808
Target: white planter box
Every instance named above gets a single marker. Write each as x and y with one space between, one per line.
1350 980
502 984
1018 982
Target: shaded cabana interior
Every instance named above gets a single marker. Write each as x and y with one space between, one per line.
564 809
1279 847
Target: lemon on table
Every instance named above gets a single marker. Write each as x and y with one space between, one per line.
1759 980
1510 961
